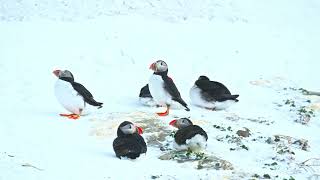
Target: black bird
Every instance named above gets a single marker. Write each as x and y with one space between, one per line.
72 96
129 143
163 89
211 94
145 96
189 136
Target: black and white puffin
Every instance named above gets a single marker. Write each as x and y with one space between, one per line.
211 94
189 136
163 89
129 143
145 97
72 96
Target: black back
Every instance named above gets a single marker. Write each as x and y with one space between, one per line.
130 146
188 132
214 91
172 89
144 92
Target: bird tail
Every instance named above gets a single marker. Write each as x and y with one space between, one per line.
229 97
93 102
184 104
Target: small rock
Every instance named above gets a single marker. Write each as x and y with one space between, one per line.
266 176
243 133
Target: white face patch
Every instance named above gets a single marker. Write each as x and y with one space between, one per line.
181 123
128 129
161 66
66 74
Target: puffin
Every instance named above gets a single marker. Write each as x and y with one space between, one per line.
129 143
211 94
188 136
73 96
163 89
145 97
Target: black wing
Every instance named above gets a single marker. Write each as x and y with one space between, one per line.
87 96
141 142
128 146
187 133
212 87
173 91
212 90
144 92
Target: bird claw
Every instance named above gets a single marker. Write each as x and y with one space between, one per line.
71 116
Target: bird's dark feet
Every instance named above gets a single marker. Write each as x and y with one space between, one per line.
211 109
71 116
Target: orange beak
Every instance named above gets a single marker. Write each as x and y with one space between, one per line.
56 72
173 122
140 130
153 66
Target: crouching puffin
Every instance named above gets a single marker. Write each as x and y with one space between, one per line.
163 89
145 97
211 94
129 143
189 136
71 95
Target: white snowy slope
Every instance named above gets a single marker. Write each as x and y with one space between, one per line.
263 50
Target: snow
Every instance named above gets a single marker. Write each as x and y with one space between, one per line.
262 50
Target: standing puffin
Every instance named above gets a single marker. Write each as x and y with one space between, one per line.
72 96
129 143
211 94
189 136
145 96
162 87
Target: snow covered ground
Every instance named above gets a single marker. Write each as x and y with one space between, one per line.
263 50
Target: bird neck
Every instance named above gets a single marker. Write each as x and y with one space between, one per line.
163 73
68 79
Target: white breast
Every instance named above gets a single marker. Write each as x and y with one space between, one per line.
159 94
196 143
147 101
68 97
196 98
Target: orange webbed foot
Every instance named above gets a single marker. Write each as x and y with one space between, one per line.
71 116
164 113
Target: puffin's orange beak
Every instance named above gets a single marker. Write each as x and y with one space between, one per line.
173 122
140 130
56 72
153 66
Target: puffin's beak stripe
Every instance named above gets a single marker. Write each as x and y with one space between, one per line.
152 66
173 122
140 130
56 72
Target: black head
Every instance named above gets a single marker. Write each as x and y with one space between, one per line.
159 66
203 78
181 123
64 75
127 127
